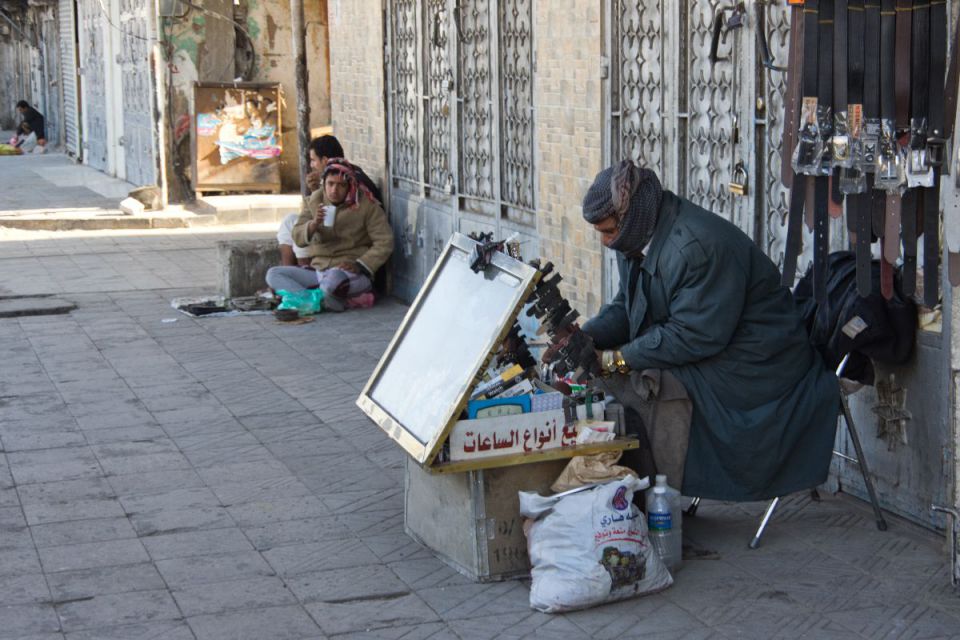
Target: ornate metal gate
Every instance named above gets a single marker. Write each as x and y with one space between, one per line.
696 120
93 83
137 83
460 83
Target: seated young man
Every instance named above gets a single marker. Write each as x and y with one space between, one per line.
321 150
347 235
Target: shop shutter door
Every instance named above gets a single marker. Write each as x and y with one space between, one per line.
68 72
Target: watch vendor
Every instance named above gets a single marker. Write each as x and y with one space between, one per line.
701 310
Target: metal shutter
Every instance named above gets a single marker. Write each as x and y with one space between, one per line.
68 71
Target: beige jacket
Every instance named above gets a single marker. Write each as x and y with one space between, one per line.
362 234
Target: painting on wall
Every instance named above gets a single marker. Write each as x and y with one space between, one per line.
237 137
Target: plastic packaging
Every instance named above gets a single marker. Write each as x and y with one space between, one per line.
664 523
306 302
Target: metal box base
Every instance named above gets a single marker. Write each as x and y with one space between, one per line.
472 520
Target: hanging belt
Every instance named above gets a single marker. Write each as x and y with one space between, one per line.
919 112
871 81
821 216
858 212
791 98
909 206
841 147
799 187
890 239
902 52
935 150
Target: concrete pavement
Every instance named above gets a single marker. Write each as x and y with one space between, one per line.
170 477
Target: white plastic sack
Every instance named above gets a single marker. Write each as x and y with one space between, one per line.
589 546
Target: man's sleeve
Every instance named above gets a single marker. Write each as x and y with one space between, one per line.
610 328
381 234
705 306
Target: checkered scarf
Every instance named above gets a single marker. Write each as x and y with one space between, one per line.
356 187
633 196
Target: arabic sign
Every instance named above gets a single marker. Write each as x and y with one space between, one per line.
521 433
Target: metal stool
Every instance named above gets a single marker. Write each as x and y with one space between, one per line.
860 461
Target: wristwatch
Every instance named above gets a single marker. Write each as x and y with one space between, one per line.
612 362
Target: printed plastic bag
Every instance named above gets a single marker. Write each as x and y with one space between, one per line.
306 302
589 546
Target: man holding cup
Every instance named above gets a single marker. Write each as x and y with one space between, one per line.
348 237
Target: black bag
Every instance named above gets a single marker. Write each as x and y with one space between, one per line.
868 328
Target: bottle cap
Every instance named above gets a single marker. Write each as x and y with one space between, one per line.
661 480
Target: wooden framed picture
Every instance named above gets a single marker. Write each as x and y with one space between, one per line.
237 141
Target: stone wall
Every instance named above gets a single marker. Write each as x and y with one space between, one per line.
569 119
356 63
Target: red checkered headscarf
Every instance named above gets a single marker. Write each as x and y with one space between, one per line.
355 186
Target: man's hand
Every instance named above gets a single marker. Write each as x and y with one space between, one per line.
349 265
313 181
317 221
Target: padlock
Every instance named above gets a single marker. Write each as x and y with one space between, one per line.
738 186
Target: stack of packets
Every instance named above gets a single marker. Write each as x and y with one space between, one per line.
513 412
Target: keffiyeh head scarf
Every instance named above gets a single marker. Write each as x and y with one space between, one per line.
633 196
355 187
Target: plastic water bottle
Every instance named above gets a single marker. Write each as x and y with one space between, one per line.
664 537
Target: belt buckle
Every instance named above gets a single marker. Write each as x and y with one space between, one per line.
890 171
919 171
871 142
841 150
853 180
935 151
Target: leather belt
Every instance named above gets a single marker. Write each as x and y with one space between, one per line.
800 183
871 84
861 202
908 227
902 52
891 244
839 102
821 215
890 207
935 151
798 195
791 104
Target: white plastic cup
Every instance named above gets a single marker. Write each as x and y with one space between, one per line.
329 215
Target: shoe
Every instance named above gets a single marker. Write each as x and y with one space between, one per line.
362 301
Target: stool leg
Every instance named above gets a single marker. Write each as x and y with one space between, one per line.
862 461
763 523
692 509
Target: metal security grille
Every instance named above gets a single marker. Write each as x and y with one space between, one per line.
137 87
68 75
693 119
461 104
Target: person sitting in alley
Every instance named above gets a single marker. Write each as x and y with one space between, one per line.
348 237
321 150
25 140
34 119
701 305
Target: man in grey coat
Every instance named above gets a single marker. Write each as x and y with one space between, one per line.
699 302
